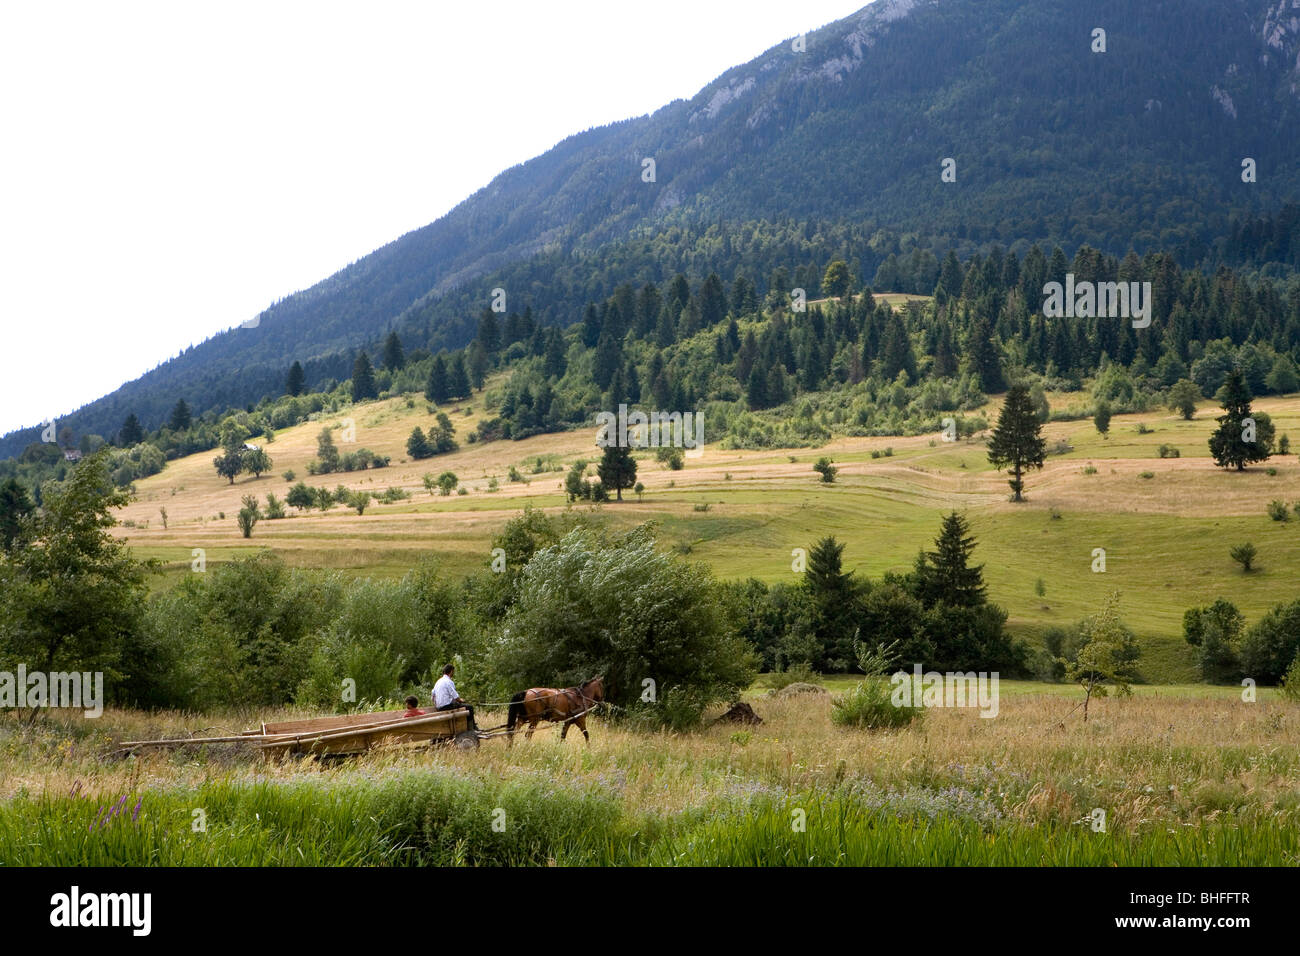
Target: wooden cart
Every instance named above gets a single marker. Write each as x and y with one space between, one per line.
346 734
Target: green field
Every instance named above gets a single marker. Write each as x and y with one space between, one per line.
1166 537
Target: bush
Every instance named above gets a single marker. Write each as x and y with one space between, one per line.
824 468
591 605
1244 554
1278 510
1168 451
1291 681
870 705
801 673
1271 645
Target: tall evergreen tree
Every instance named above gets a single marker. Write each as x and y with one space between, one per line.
394 354
896 354
437 389
181 419
363 379
1017 439
617 469
131 432
945 575
836 596
554 362
1242 437
457 377
489 331
984 359
296 380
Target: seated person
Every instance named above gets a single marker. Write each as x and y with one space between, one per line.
413 707
445 696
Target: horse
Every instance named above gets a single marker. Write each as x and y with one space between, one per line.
545 703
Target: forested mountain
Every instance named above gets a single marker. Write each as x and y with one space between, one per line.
833 147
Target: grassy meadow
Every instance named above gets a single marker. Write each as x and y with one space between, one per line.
1165 524
1184 775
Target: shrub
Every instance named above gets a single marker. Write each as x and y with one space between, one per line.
1278 510
1090 470
248 516
1291 681
274 506
1244 554
1168 451
828 471
289 476
871 704
801 673
700 506
1271 645
616 605
1147 474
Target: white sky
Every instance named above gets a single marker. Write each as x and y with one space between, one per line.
168 170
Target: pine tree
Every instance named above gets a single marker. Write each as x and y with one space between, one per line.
617 468
436 389
835 595
607 360
294 383
554 363
363 379
478 364
457 379
713 301
945 574
394 355
131 433
1017 440
984 357
489 332
417 446
1241 437
897 355
181 419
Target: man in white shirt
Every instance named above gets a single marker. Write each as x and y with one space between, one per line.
445 696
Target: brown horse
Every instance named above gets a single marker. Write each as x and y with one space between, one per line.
545 703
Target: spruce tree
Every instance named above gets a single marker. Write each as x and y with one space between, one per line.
131 433
181 418
489 332
553 365
1241 437
457 378
984 357
296 381
945 574
1017 440
394 355
436 390
363 379
617 469
835 595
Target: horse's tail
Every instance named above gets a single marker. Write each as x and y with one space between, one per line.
515 711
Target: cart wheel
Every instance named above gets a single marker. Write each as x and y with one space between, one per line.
467 740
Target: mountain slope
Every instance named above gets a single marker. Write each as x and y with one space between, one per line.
1138 146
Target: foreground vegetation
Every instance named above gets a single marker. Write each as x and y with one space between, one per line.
1185 776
